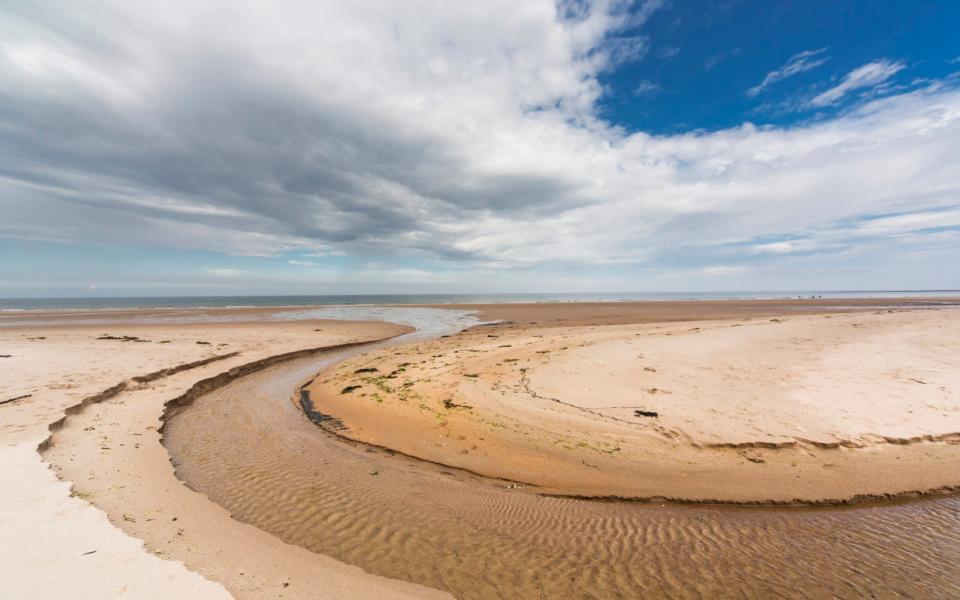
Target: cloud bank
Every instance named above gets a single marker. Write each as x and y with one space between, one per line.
458 134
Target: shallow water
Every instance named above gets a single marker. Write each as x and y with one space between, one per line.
249 448
429 322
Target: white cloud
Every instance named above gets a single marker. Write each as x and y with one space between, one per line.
625 49
224 272
868 75
910 222
444 133
798 63
776 248
668 52
302 263
895 230
721 270
646 88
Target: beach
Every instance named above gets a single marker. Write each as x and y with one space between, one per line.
585 449
800 409
558 299
62 541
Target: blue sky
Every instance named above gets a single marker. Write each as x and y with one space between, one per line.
704 58
591 145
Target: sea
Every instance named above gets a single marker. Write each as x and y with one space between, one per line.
94 303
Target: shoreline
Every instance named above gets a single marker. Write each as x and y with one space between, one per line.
203 302
60 316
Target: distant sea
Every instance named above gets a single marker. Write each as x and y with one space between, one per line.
18 304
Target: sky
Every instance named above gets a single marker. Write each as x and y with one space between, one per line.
314 147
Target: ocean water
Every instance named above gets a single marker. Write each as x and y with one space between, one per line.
93 303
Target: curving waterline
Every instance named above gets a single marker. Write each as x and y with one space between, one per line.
429 323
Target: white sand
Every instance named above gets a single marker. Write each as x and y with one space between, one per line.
58 546
48 534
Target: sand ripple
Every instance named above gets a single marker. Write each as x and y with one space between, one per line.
250 449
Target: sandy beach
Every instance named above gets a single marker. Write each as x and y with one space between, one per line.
548 300
804 409
462 449
61 545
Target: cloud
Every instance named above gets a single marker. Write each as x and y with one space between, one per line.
716 59
721 270
646 88
776 247
798 63
909 222
461 138
868 75
223 272
618 43
916 228
668 52
621 50
302 263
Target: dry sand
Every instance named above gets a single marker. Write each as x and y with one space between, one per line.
810 408
59 546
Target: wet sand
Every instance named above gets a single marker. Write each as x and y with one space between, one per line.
552 314
248 447
561 314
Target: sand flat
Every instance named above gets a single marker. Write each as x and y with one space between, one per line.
801 408
806 378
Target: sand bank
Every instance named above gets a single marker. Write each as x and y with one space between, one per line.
799 409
